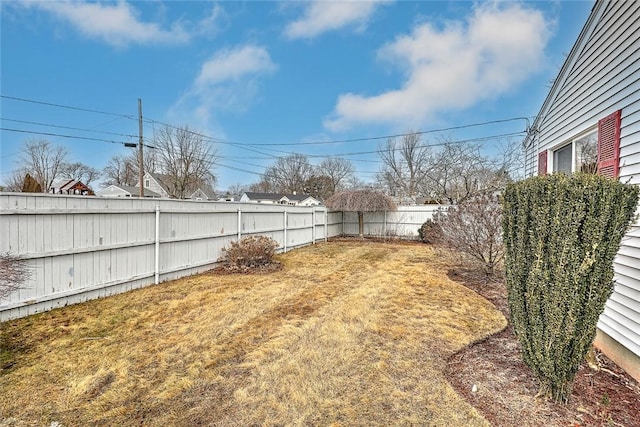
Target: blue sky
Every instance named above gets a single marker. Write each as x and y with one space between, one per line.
256 74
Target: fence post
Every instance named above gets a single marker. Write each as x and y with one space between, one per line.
284 226
384 225
157 245
326 225
313 226
239 225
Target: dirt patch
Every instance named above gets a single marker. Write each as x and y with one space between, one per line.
492 377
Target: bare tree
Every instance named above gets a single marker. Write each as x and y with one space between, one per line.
237 189
123 169
405 164
15 181
186 158
80 172
338 170
14 273
510 159
43 161
360 201
262 186
474 228
355 183
319 186
120 170
288 174
458 171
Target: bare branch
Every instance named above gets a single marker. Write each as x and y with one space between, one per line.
14 273
288 174
186 158
43 161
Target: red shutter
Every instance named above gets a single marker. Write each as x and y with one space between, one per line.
609 145
542 162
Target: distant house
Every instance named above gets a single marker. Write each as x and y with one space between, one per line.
229 198
70 186
161 184
157 183
203 194
590 121
125 191
280 199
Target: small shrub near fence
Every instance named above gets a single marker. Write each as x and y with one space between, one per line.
430 232
561 234
472 228
250 253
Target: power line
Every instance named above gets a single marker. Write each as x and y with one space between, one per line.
237 169
67 127
437 144
60 135
480 139
373 138
51 104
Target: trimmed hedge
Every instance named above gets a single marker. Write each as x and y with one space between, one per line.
561 234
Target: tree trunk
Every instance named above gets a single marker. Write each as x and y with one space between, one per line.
361 224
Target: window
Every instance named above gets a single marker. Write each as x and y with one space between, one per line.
595 151
579 155
147 183
562 159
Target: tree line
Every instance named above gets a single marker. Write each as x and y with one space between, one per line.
442 172
184 158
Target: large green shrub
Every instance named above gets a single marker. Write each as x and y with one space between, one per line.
561 234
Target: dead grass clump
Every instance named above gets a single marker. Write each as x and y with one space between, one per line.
345 334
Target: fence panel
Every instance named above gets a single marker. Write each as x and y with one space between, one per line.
79 248
404 222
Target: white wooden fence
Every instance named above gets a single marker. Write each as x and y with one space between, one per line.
404 222
80 248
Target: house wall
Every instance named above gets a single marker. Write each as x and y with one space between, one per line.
604 76
80 248
154 185
113 191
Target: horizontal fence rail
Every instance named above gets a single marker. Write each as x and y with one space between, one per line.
80 248
404 222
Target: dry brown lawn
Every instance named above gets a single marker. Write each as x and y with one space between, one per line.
346 334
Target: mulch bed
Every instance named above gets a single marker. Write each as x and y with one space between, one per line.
505 387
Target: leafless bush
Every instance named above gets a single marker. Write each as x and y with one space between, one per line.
14 272
474 228
250 252
430 232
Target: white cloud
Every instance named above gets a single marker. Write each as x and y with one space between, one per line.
116 24
232 64
498 47
322 16
228 81
212 23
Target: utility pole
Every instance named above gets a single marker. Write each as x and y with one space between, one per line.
140 158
